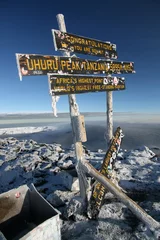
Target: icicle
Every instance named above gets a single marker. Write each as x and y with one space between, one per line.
54 102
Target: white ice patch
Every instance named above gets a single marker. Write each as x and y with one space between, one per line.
23 130
54 104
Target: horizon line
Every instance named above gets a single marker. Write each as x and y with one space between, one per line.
50 112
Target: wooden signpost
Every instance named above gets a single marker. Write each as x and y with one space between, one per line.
35 65
32 64
78 129
73 43
69 84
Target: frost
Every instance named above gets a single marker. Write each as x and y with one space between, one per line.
54 102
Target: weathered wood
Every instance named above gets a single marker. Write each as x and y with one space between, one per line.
74 112
85 45
61 84
36 64
107 170
109 116
79 128
152 224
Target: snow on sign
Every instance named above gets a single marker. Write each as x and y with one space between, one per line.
107 166
69 84
73 43
32 64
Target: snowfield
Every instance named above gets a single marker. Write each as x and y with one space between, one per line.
52 170
24 130
36 148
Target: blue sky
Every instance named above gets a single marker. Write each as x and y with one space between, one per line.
25 27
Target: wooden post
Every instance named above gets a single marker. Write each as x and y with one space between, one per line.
74 112
109 116
152 224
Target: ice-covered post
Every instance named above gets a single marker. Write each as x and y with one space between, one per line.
109 116
76 128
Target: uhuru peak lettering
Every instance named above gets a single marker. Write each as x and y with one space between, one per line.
30 64
71 42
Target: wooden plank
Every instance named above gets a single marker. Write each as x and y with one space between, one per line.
68 84
32 64
79 128
76 130
106 169
152 224
78 44
109 133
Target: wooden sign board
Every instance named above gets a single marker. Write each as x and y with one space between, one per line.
70 84
108 163
73 43
32 64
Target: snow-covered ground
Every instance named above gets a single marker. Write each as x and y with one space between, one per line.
35 155
136 134
24 130
139 129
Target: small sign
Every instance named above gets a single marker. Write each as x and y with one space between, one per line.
31 64
108 164
70 84
73 43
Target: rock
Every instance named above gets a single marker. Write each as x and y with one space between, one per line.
79 217
68 156
100 151
8 176
59 198
120 156
39 173
68 181
57 148
11 156
1 162
138 172
65 179
45 166
86 151
66 164
28 145
55 170
30 161
141 151
42 190
72 172
27 176
75 185
74 207
54 157
39 181
44 152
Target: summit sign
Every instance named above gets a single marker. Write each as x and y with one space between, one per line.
71 84
69 75
78 44
31 64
